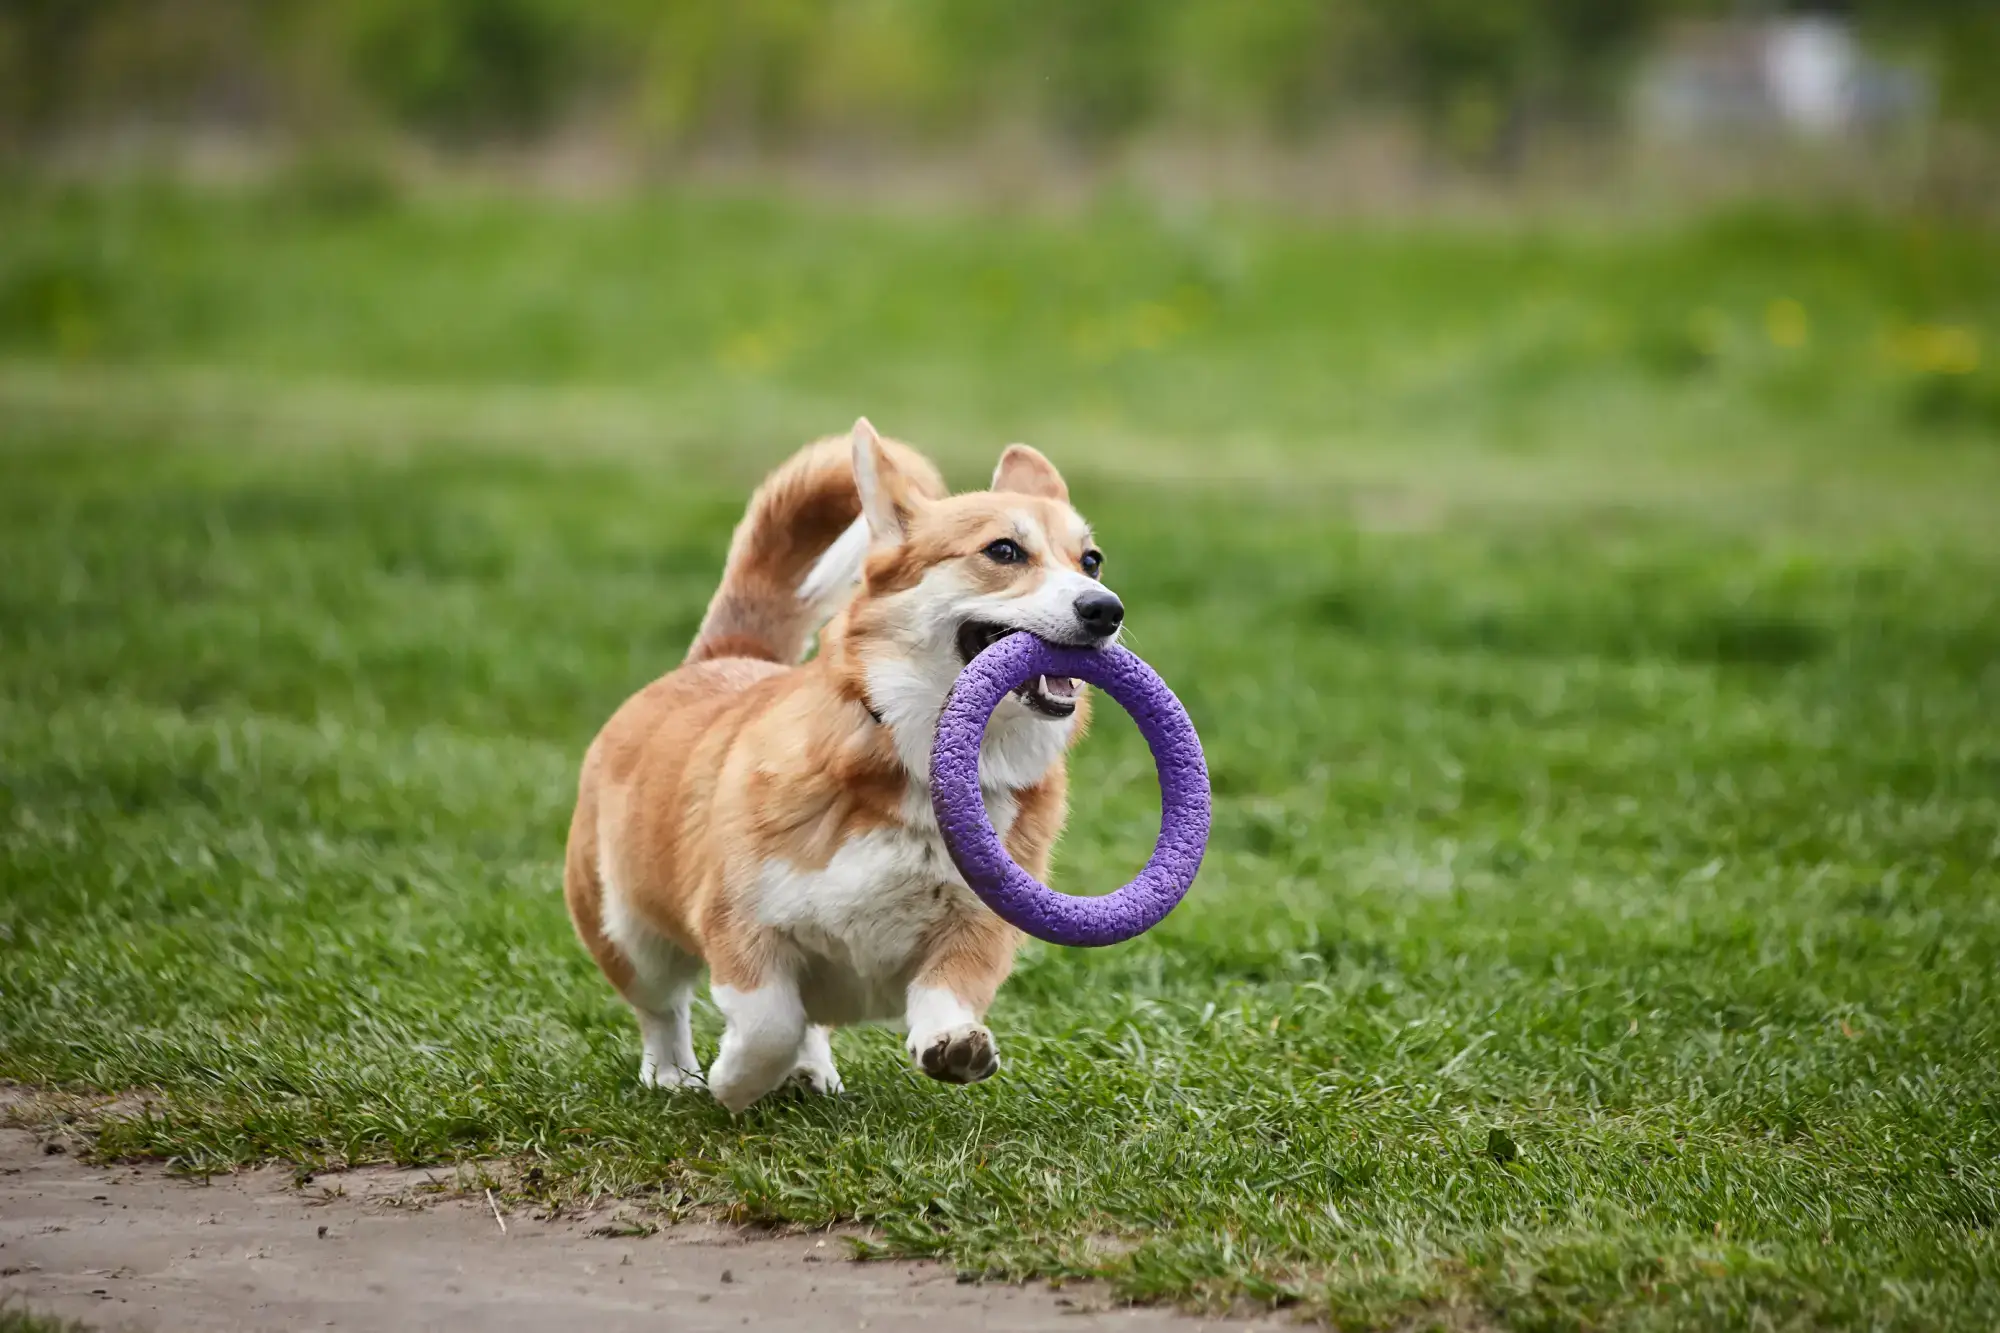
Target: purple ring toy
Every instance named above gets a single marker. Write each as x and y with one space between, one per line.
1018 897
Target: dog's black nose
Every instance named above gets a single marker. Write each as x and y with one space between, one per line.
1100 612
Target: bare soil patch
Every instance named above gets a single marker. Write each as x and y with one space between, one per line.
380 1249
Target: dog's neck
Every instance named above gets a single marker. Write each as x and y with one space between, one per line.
906 696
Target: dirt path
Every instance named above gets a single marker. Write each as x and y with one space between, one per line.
124 1247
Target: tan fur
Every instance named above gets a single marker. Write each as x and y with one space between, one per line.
1025 471
791 519
744 758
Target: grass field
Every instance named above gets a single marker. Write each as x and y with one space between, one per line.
14 1319
1596 638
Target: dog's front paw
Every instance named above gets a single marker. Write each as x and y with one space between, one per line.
729 1084
958 1055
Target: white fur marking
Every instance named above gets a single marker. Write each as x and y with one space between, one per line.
760 1044
908 683
815 1064
668 1039
834 575
863 923
936 1015
932 1010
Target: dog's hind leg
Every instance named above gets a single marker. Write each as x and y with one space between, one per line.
659 985
662 1001
815 1066
655 975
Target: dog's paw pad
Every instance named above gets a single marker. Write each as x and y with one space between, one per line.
960 1055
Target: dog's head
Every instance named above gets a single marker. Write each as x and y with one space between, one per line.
945 577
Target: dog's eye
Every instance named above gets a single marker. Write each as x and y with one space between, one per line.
1092 562
1006 551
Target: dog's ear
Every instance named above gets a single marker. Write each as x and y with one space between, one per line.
1023 471
889 494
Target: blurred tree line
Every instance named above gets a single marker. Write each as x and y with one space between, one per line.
1475 75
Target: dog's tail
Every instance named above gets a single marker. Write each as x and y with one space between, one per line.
798 551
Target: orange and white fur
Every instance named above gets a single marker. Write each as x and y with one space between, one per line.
771 819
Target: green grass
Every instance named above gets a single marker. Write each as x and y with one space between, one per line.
15 1319
1594 637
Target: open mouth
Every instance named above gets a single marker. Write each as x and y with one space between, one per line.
1051 696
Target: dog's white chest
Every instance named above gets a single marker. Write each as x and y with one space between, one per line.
862 922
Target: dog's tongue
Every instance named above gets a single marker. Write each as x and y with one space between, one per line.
1059 687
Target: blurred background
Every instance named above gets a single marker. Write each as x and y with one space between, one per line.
1603 235
1325 103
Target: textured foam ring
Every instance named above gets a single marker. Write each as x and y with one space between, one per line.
1012 892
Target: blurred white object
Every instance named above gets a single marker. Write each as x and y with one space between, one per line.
1813 66
1807 75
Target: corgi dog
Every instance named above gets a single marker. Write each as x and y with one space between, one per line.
770 818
